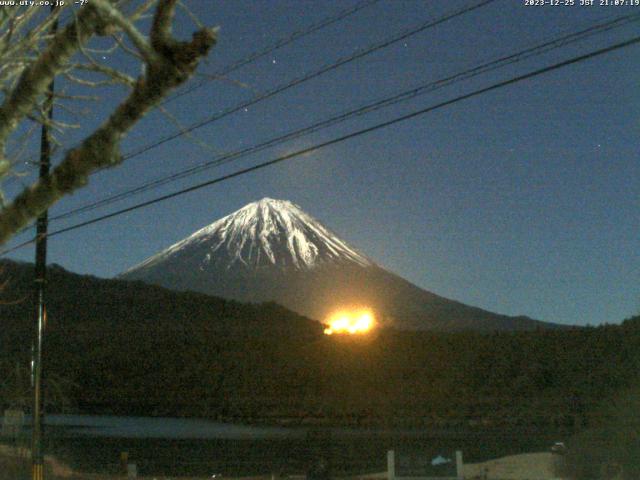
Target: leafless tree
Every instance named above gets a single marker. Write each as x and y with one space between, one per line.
32 55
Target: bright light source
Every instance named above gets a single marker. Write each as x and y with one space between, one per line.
351 322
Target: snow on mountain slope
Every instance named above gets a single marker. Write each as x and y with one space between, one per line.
267 233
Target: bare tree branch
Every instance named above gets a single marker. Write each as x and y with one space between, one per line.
168 63
127 26
34 80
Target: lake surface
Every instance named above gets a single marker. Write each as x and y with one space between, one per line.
157 427
177 446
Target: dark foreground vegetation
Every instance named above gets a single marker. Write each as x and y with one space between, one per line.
128 348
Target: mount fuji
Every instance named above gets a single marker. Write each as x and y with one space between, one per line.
271 250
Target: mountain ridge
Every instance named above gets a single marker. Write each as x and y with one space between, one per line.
254 234
271 250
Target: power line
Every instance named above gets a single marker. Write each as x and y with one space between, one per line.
355 56
385 102
342 138
309 76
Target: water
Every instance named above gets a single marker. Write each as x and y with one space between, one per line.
157 427
175 446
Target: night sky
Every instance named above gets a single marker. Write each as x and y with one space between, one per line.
524 200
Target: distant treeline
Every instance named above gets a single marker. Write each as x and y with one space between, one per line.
129 348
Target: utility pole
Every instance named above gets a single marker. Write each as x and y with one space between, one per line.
37 457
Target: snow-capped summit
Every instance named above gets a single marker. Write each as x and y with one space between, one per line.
265 233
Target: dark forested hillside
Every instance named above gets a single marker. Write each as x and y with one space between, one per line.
125 347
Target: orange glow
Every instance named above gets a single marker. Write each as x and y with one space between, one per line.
351 322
